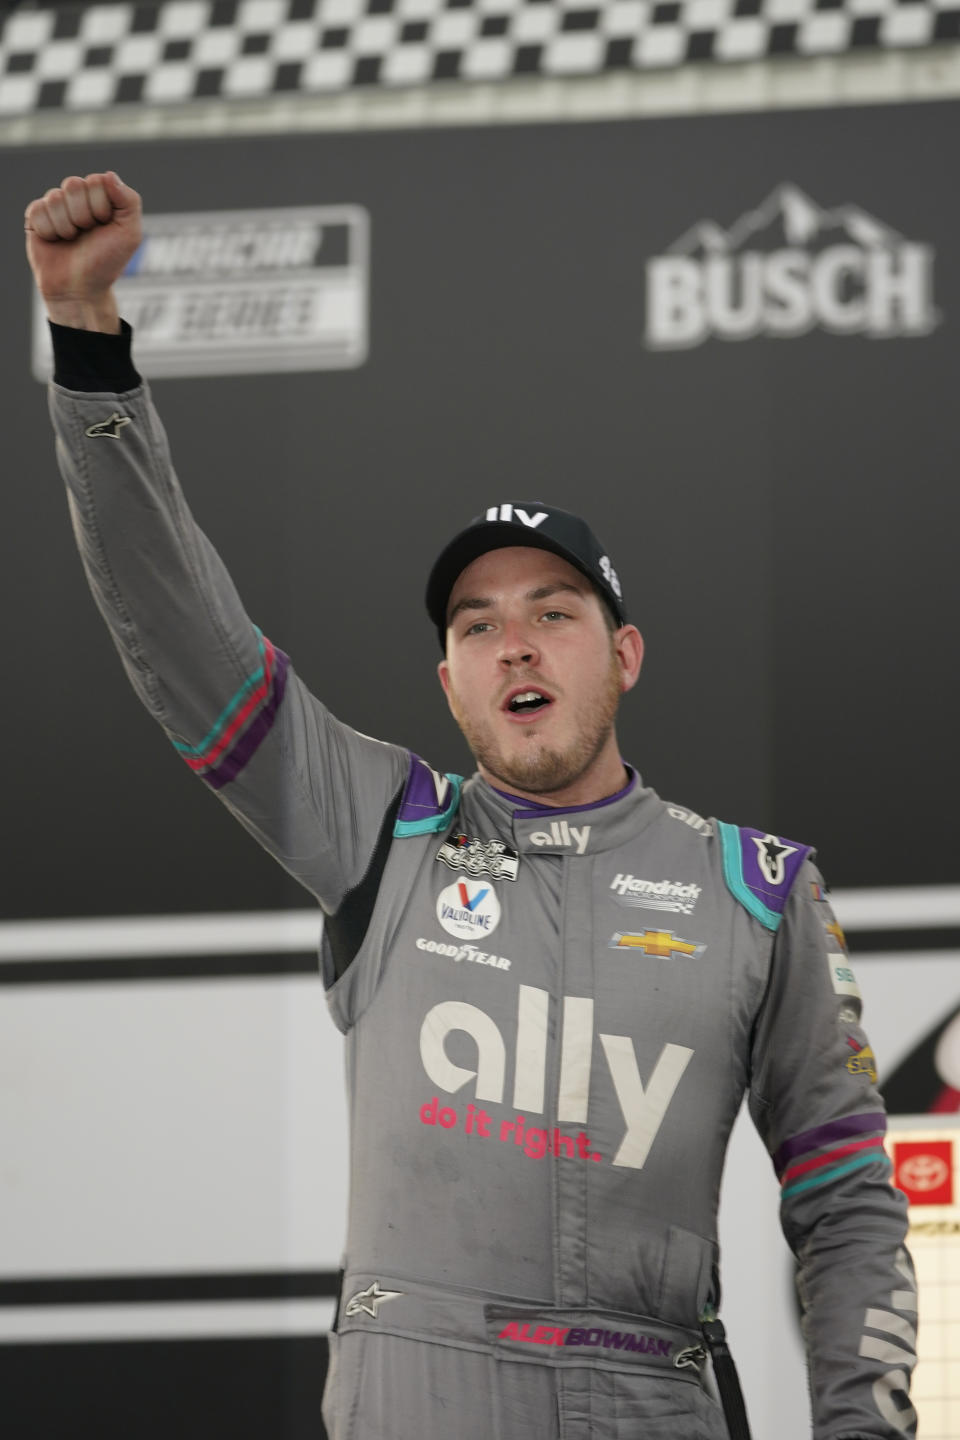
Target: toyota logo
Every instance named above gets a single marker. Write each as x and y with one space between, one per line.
924 1172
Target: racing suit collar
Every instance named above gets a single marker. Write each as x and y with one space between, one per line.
576 831
524 807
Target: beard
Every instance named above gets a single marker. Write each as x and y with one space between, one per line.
537 767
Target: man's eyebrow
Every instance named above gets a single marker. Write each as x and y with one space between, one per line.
486 602
544 591
469 602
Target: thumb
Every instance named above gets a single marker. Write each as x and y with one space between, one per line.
123 202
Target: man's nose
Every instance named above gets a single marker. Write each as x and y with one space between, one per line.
518 646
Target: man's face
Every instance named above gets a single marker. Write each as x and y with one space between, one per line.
533 674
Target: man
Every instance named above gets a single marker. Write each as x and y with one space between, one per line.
555 986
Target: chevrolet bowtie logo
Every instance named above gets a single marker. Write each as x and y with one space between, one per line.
834 929
661 943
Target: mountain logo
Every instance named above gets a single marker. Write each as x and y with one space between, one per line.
785 269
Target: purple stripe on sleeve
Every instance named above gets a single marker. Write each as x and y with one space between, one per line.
420 798
233 762
827 1134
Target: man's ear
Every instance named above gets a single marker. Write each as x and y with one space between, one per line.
628 643
443 670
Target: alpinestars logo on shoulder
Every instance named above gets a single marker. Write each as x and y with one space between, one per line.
771 855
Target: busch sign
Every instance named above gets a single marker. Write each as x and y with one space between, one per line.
785 269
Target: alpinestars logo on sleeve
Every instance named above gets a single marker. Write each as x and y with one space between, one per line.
771 855
109 429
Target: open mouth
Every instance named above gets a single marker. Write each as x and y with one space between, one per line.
527 702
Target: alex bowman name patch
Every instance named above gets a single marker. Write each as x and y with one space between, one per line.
229 292
574 1337
468 908
480 857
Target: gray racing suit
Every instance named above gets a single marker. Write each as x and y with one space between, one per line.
551 1017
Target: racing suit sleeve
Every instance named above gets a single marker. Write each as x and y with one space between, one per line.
311 790
815 1104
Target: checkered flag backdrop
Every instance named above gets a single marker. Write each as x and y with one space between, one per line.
81 58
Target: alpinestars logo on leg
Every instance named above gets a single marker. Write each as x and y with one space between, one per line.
368 1301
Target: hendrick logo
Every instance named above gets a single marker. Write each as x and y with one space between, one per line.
673 895
785 269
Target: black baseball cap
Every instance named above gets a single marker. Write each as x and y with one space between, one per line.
523 522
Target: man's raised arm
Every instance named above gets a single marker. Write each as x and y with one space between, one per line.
312 791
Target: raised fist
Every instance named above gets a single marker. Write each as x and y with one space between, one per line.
80 239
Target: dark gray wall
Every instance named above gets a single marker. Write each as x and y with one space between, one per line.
783 513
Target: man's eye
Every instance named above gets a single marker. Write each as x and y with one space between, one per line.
556 615
477 627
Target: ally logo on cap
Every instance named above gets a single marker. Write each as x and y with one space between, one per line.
510 513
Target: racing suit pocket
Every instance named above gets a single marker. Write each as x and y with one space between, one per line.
669 1273
388 1387
689 1277
605 1405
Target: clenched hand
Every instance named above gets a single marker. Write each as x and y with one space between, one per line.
80 238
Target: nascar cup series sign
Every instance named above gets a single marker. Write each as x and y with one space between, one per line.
244 292
785 269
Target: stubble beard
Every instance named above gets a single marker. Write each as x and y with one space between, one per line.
539 769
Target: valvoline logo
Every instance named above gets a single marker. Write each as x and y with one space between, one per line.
468 908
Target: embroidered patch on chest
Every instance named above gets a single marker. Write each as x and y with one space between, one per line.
480 857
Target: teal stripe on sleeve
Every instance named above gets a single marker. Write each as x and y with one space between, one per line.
824 1176
223 718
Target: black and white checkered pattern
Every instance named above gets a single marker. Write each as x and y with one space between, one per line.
76 58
